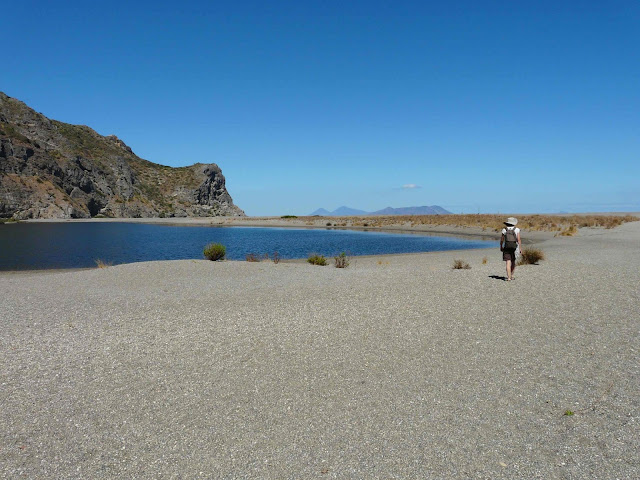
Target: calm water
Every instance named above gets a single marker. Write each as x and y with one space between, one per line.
29 246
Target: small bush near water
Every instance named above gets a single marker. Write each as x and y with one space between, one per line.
531 256
101 264
461 265
215 251
342 260
316 259
254 257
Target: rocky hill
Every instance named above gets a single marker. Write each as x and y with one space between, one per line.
50 169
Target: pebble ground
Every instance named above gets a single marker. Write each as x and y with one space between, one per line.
396 367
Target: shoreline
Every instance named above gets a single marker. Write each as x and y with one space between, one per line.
530 238
301 260
468 233
307 223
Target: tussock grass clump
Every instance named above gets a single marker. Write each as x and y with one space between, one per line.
342 260
276 257
484 260
569 231
252 257
102 264
461 265
531 256
316 259
215 251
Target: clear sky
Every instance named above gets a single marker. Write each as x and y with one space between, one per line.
492 106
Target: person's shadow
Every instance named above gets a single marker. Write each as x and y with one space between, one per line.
498 277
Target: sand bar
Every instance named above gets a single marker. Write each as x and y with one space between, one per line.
396 367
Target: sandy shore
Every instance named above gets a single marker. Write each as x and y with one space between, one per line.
396 367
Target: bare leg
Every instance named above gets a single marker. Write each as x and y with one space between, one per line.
509 270
513 269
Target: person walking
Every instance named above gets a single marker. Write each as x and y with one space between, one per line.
509 243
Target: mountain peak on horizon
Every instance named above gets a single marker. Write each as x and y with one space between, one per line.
345 211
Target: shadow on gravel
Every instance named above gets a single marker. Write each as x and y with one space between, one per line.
498 277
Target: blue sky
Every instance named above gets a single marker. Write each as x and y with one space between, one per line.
480 106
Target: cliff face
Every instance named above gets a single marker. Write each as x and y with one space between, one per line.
50 169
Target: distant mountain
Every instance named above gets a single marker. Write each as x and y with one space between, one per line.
321 212
339 212
441 211
424 210
346 211
50 169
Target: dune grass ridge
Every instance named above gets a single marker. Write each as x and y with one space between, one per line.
486 222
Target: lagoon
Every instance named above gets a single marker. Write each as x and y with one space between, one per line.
36 246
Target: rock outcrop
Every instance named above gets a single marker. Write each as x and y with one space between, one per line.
50 169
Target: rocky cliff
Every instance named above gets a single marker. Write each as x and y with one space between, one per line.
50 169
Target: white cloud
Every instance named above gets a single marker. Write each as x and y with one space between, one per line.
410 186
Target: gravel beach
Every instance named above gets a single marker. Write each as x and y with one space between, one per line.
396 367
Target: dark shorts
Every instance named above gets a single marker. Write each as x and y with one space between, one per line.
509 255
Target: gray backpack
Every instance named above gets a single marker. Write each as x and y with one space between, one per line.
510 239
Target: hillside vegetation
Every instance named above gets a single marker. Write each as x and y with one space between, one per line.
51 169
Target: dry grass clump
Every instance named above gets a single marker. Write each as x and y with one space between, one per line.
254 257
484 260
102 264
342 261
461 265
568 232
531 256
316 259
